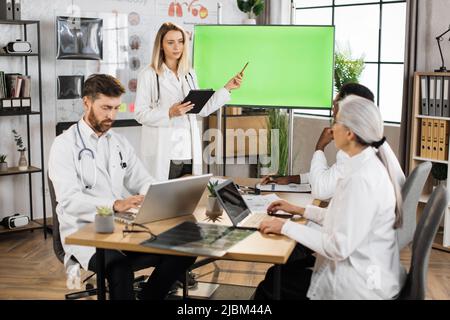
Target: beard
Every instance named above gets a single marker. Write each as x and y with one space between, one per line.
99 126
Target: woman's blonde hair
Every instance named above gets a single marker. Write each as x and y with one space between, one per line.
158 57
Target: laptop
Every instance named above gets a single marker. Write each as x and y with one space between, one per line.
236 208
168 199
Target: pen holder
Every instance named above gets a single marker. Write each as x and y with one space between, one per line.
213 209
104 223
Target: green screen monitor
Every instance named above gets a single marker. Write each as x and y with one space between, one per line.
288 66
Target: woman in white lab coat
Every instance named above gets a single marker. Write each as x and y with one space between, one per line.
171 140
356 246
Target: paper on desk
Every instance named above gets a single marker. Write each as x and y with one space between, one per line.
259 203
292 187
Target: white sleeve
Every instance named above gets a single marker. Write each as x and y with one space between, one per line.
147 110
323 179
69 195
137 179
315 213
304 177
219 98
349 228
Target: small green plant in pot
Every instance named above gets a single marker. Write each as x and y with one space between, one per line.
439 172
104 220
3 163
252 8
23 163
213 209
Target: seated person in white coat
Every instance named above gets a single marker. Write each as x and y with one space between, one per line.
322 177
357 249
92 166
171 141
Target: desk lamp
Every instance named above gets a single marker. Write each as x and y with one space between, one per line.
439 39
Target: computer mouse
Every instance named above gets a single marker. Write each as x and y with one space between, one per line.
296 217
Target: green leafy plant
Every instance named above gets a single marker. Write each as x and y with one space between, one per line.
3 158
104 211
252 7
346 69
278 119
439 171
211 185
19 142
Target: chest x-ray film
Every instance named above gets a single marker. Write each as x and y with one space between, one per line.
79 38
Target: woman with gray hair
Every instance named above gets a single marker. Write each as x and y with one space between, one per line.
356 245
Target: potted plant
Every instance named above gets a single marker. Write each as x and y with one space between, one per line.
213 209
23 163
346 69
104 220
3 163
277 120
439 172
252 8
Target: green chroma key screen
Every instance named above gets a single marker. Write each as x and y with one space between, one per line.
289 66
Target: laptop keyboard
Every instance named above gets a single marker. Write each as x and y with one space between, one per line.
124 217
253 220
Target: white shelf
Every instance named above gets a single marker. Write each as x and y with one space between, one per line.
431 160
432 117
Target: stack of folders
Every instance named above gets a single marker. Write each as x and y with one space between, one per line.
15 92
434 139
434 96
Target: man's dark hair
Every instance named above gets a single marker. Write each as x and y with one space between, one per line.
356 89
102 84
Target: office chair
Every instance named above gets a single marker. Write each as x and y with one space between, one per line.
416 281
60 253
411 191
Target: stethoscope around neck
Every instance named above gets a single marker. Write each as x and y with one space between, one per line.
90 153
185 77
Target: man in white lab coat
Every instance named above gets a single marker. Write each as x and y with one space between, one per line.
322 177
92 166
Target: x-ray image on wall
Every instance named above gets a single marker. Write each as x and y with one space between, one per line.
70 87
79 38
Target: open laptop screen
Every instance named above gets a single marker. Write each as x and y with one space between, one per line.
232 202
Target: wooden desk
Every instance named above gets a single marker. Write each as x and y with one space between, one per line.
255 248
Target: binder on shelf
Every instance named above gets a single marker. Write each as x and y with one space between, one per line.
445 97
435 140
17 9
443 139
429 138
438 97
423 138
6 9
424 95
431 95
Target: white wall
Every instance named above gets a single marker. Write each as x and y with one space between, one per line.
14 189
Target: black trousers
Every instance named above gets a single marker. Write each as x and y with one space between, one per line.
179 168
295 277
121 265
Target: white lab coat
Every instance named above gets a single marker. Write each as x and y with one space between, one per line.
76 204
358 256
323 178
156 135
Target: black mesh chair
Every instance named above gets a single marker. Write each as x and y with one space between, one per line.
60 253
416 281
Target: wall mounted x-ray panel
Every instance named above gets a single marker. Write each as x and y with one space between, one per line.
79 38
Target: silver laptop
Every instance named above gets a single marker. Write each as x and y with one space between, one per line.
168 199
236 208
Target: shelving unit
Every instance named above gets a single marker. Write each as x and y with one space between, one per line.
442 239
37 112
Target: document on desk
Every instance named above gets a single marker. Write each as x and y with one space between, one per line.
259 203
203 239
292 187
